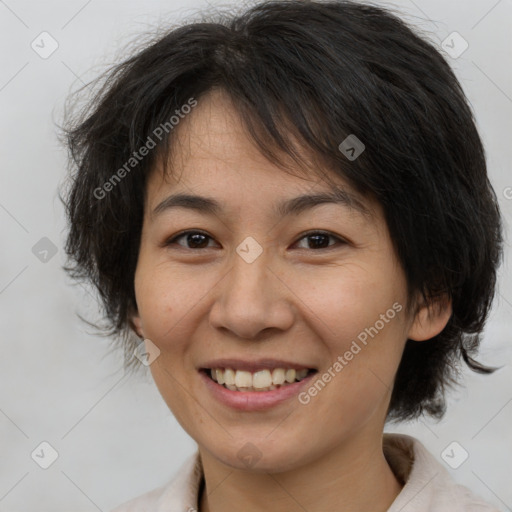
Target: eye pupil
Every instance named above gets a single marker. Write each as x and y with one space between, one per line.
318 238
197 240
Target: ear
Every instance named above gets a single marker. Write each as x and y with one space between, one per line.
135 323
429 321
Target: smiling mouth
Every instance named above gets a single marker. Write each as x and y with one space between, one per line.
263 380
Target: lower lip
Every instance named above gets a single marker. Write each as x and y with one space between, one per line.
254 400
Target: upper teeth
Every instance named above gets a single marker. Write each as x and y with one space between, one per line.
258 380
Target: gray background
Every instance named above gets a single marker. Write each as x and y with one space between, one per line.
114 435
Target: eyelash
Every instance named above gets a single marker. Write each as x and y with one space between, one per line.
172 241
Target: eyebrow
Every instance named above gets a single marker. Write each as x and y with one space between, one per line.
294 206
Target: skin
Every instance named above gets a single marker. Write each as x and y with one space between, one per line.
295 302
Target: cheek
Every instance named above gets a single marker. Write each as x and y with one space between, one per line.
169 300
359 378
344 300
359 315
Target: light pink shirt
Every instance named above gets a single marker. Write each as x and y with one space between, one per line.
428 485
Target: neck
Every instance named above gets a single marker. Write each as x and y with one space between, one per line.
355 477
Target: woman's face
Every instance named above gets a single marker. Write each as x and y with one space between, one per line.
254 287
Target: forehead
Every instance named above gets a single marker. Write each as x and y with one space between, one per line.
214 136
212 154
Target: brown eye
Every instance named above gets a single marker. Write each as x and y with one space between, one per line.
320 240
315 240
193 240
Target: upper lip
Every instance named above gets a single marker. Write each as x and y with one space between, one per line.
254 365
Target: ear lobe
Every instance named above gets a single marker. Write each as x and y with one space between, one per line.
135 323
429 321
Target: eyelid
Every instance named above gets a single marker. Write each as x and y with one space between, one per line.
303 235
321 232
339 239
173 238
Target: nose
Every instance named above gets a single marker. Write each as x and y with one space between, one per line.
252 298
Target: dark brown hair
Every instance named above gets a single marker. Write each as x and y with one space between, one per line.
317 71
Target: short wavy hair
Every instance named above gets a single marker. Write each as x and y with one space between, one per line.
313 73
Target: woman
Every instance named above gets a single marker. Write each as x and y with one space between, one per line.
291 208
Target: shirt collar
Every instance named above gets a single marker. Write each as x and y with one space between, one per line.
426 483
